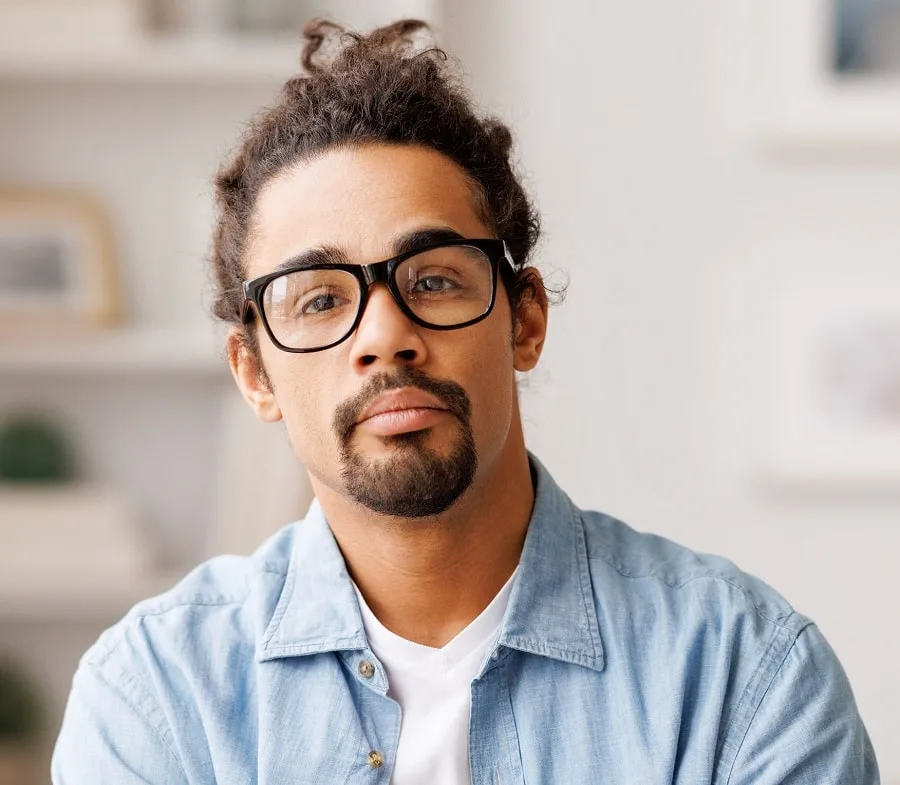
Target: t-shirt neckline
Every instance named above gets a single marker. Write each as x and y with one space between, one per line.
388 645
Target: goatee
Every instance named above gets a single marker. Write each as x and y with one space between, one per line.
416 481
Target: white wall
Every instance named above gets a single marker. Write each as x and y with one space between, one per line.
644 400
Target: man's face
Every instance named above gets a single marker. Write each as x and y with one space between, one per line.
456 388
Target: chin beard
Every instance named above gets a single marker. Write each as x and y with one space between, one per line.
415 480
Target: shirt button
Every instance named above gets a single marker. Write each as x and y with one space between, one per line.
495 654
376 760
366 669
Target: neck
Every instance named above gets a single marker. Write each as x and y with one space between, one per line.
427 579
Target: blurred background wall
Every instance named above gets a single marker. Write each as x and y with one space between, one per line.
697 246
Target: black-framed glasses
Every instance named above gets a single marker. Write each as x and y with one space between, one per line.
312 307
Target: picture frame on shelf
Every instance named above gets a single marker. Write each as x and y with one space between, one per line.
866 37
57 263
832 384
789 84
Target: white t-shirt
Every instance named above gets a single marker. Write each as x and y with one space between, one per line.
432 687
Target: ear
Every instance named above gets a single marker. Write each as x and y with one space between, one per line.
531 323
250 377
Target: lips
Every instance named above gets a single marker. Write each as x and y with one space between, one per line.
403 400
406 400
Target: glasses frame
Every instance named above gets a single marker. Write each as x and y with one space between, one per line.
495 250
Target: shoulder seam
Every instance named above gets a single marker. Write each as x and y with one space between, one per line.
175 603
777 620
136 617
189 604
138 614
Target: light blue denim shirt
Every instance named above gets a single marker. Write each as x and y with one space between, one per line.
622 659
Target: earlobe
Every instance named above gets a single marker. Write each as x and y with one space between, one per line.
250 378
531 325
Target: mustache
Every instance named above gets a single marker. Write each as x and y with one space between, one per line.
452 395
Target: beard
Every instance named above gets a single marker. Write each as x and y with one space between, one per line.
415 481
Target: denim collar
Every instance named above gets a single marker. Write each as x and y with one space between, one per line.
551 609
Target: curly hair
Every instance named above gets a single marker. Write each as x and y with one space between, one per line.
359 89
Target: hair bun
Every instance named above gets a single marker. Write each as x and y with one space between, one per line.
329 45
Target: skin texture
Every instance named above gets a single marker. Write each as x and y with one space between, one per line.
425 578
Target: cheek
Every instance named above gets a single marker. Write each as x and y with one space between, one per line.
306 403
491 387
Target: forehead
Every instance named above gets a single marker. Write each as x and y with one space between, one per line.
359 200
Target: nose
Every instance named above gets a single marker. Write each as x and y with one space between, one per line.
385 335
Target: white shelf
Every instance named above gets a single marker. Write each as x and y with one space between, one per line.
184 59
126 351
71 551
105 600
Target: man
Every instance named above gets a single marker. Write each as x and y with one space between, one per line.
444 614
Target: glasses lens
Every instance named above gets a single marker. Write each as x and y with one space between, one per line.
309 309
446 286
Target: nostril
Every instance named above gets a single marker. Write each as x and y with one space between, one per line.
368 359
407 354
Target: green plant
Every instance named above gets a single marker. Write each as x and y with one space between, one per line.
33 449
20 705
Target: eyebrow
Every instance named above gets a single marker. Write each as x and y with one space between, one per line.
409 242
326 254
421 239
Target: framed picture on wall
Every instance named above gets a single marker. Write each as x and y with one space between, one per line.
816 72
57 265
832 382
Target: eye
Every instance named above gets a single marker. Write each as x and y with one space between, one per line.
434 283
319 304
324 301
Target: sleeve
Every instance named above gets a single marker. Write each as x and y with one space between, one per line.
110 737
807 730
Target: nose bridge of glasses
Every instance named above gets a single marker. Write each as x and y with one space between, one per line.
380 272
